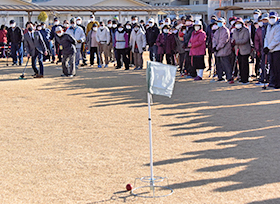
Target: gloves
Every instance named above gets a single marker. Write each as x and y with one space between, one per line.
215 49
266 50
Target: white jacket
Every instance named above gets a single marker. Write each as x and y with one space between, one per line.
139 38
272 38
103 36
78 33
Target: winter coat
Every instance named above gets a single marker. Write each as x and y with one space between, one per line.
272 38
166 43
90 24
170 44
3 36
221 41
67 43
89 39
259 40
151 35
15 36
242 40
188 36
103 36
78 34
179 45
121 40
198 43
139 38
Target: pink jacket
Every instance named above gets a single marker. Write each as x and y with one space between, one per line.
198 43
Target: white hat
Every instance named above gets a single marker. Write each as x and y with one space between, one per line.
197 23
58 28
151 20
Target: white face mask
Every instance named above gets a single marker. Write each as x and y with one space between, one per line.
43 26
197 28
94 28
60 34
73 25
136 29
92 19
134 21
13 25
102 27
215 27
161 26
109 25
39 28
256 16
175 31
260 24
114 25
66 25
165 30
128 27
151 24
120 29
188 23
238 26
272 21
232 22
79 22
56 23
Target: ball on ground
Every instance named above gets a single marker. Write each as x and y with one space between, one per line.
129 187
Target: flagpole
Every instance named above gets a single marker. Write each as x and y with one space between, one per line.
151 144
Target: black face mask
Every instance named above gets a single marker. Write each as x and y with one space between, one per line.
30 29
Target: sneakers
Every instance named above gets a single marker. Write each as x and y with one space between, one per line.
63 75
231 82
138 68
106 66
188 77
71 76
197 78
99 66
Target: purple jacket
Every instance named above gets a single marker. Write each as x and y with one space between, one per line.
198 43
258 40
221 41
166 43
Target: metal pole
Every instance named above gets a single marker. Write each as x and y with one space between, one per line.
151 143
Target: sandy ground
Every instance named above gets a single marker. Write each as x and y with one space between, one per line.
82 139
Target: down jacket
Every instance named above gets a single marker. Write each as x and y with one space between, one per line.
198 43
221 41
272 38
242 40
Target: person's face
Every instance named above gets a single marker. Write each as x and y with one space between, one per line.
265 21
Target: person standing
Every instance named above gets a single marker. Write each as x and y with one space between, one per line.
92 45
56 45
68 47
111 50
121 46
83 48
138 45
242 41
78 33
103 39
222 48
272 46
35 48
197 45
90 24
15 37
3 40
151 36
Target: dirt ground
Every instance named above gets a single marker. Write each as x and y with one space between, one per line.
82 139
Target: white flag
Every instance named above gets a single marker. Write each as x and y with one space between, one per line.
160 78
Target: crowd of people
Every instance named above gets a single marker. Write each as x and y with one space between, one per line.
183 42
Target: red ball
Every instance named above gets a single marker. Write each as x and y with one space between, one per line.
129 187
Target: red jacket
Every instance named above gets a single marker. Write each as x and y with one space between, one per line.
3 36
198 43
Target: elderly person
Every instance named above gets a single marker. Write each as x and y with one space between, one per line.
241 39
197 44
103 38
138 45
272 46
78 33
67 44
222 49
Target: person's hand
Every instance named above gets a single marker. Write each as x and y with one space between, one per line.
46 53
79 41
266 50
259 54
28 55
189 45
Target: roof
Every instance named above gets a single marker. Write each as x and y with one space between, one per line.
232 8
29 8
87 2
